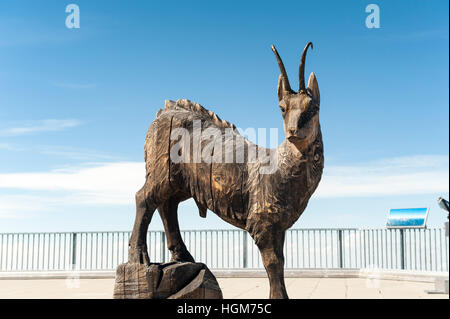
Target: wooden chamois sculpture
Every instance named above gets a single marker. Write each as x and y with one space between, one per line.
264 204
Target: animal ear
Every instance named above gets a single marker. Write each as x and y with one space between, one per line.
282 90
313 87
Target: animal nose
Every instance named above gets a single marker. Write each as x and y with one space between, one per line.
293 131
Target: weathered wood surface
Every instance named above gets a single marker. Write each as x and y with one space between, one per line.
165 281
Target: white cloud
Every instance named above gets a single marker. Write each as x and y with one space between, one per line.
116 183
106 184
40 126
395 176
111 183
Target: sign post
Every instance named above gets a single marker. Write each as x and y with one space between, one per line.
441 284
401 218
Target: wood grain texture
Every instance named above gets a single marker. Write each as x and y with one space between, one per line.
165 281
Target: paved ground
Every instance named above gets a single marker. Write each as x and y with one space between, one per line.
239 288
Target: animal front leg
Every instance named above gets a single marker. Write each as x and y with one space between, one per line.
270 245
138 241
169 217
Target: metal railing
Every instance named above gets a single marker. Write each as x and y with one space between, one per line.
411 249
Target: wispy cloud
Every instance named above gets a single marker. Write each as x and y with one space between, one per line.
40 126
387 177
5 146
24 32
420 35
78 154
10 147
19 206
69 152
76 85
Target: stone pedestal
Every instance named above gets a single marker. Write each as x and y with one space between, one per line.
166 281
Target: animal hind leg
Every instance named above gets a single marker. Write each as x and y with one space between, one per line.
169 217
138 241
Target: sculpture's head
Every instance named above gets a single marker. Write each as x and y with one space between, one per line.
300 109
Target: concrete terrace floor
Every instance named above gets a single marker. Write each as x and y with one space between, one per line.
232 288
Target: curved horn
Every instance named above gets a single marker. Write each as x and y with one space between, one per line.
282 69
301 70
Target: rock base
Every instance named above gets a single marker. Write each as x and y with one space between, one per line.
176 280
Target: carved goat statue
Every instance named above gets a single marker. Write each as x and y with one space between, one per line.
264 204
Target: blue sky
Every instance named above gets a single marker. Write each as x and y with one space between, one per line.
75 104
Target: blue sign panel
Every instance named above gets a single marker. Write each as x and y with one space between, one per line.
407 218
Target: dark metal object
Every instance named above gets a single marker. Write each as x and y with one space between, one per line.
340 245
74 250
445 206
265 205
402 248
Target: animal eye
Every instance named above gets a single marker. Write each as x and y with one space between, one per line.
312 104
283 107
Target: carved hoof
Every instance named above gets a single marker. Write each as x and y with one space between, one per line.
139 255
181 255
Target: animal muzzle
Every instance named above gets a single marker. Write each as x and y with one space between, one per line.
292 132
296 134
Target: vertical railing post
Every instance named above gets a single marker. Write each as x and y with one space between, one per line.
244 250
363 251
163 247
74 250
341 259
402 248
